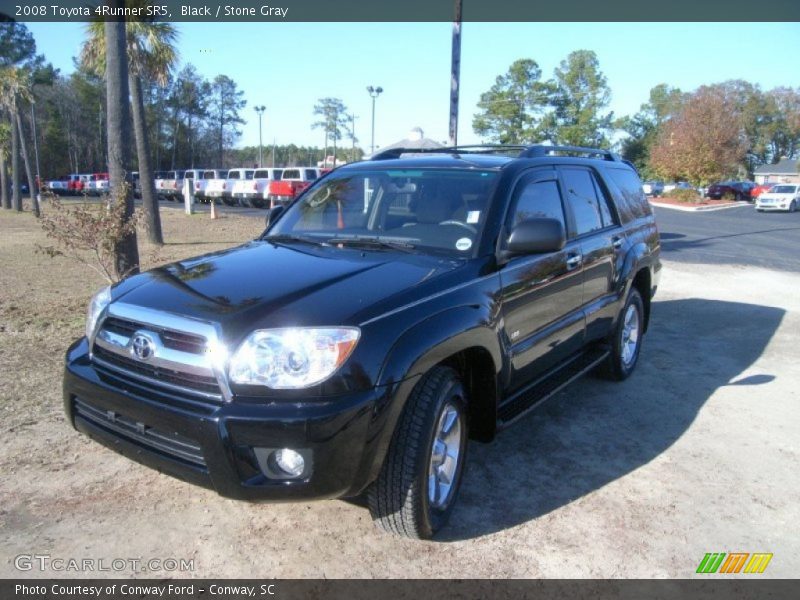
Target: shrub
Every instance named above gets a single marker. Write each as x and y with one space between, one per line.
684 195
87 233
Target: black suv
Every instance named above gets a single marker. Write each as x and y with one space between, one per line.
397 308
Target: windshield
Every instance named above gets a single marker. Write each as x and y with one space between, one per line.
442 210
784 189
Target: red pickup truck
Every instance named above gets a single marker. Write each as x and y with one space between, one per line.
293 181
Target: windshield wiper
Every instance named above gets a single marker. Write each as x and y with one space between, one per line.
375 242
288 237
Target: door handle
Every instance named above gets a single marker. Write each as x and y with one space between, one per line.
573 262
617 241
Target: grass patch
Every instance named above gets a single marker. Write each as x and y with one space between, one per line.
43 301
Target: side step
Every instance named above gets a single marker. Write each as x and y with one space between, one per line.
544 388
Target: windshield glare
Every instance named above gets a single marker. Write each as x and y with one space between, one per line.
442 210
783 189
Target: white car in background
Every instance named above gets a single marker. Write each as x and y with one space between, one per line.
253 192
784 196
236 183
202 181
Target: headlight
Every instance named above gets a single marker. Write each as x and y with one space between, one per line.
96 306
292 358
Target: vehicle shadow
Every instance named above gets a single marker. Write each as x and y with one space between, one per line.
595 431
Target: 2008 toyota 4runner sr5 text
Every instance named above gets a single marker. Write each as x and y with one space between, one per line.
398 307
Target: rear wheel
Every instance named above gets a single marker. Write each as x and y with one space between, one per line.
418 484
626 341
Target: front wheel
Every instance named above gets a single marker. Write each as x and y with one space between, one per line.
793 206
417 487
626 340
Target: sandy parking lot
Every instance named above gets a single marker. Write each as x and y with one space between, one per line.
696 453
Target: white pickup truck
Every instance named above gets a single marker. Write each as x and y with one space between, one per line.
59 186
253 192
236 182
202 180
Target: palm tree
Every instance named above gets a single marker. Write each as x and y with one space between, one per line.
5 139
15 87
151 55
119 136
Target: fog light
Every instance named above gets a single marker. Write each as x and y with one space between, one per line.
289 461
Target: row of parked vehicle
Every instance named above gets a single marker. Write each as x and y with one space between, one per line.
77 184
735 190
250 187
255 188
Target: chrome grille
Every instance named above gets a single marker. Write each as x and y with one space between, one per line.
180 360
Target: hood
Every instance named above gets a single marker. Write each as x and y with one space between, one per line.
262 284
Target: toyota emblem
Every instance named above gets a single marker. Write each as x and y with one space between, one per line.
142 347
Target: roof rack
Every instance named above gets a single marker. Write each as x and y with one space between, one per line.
535 151
454 150
540 150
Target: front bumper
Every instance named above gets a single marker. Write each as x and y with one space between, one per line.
215 445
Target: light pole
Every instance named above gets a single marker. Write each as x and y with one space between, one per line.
260 110
374 92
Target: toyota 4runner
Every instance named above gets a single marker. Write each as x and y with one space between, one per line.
397 308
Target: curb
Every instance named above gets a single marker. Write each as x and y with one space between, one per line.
698 208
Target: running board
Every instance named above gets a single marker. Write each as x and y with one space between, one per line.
546 387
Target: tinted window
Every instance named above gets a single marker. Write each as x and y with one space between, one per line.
582 198
311 174
627 190
291 174
538 200
248 174
233 174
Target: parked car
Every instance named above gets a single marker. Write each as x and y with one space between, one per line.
217 188
237 178
160 178
58 186
783 196
172 185
77 183
254 192
680 185
97 184
760 189
201 183
735 190
399 307
653 188
293 181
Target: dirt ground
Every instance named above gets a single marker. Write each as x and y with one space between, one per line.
696 453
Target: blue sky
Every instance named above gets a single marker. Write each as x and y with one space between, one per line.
289 66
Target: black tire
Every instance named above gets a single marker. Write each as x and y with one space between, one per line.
228 201
399 499
792 206
615 366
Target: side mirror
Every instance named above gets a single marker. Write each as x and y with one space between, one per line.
273 214
534 236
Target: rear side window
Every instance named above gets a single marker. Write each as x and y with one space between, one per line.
628 192
540 199
582 199
311 174
291 174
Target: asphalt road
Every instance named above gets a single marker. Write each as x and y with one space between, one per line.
734 236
